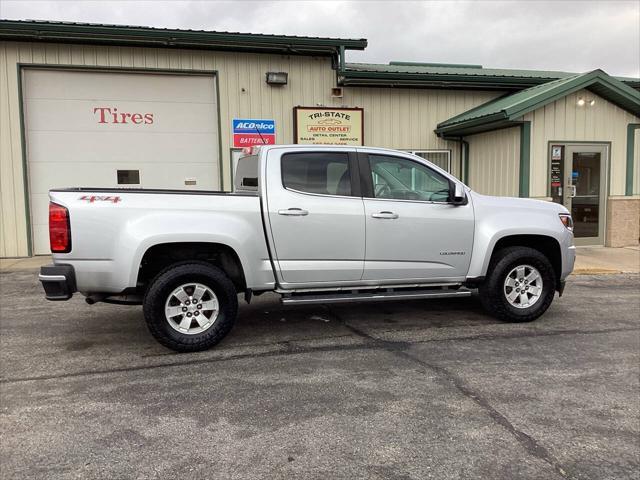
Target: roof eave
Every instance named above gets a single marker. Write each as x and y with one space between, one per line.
474 125
597 81
380 79
149 37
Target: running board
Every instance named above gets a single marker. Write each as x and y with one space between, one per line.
298 299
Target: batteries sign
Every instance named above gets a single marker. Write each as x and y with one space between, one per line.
248 132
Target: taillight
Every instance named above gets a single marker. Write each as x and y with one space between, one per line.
59 229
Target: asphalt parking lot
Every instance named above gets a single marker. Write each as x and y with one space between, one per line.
423 389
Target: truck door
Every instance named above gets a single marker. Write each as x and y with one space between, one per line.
316 215
413 232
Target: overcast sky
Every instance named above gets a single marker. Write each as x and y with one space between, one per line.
574 36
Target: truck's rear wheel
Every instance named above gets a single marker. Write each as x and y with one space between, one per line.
520 285
190 307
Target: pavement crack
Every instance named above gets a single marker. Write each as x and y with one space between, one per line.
529 443
286 348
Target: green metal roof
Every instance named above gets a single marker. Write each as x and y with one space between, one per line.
505 111
92 33
430 64
434 75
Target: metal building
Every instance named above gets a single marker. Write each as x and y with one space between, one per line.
104 105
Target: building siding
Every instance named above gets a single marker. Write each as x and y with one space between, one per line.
405 118
565 120
310 83
394 118
494 162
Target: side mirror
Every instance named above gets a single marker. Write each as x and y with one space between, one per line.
459 198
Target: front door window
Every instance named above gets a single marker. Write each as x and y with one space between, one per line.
585 193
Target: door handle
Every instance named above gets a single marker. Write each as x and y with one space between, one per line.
385 215
293 212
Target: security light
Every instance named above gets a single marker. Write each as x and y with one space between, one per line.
277 78
592 103
581 102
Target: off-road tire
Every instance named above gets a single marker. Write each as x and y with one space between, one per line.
491 291
174 276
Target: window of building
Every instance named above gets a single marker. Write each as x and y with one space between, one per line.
402 179
441 158
325 173
128 177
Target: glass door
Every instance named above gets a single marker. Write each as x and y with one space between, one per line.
585 181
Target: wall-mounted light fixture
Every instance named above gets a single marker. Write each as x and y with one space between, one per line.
277 78
582 102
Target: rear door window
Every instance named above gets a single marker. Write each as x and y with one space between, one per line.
325 173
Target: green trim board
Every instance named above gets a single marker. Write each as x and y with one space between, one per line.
509 108
216 81
631 130
126 35
25 173
525 159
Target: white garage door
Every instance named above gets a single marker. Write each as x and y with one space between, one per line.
112 129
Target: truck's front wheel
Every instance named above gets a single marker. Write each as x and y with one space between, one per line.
519 286
190 307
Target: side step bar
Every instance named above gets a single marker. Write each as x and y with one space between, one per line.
305 299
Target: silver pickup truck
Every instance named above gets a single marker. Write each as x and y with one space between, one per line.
314 224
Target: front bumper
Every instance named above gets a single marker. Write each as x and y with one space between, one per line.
58 281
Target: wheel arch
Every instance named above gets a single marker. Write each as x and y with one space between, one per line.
546 245
159 256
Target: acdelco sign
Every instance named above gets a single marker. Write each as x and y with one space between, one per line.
248 132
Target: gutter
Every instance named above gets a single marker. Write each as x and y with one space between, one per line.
13 30
464 156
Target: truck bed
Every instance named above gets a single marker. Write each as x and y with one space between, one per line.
111 228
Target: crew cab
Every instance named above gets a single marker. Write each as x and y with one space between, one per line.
316 224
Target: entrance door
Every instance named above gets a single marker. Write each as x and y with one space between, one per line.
584 192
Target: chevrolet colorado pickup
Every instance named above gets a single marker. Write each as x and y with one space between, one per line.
316 224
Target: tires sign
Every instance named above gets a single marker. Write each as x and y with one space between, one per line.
248 132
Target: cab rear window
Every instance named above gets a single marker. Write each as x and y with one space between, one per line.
325 173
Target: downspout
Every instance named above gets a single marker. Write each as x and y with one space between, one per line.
339 66
465 172
464 156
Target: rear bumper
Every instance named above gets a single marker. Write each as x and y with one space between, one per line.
58 281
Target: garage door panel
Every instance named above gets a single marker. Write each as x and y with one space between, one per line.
104 175
93 116
70 145
54 147
62 84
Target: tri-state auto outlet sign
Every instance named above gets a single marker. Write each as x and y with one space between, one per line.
250 131
328 126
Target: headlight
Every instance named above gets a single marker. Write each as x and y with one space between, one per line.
566 220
